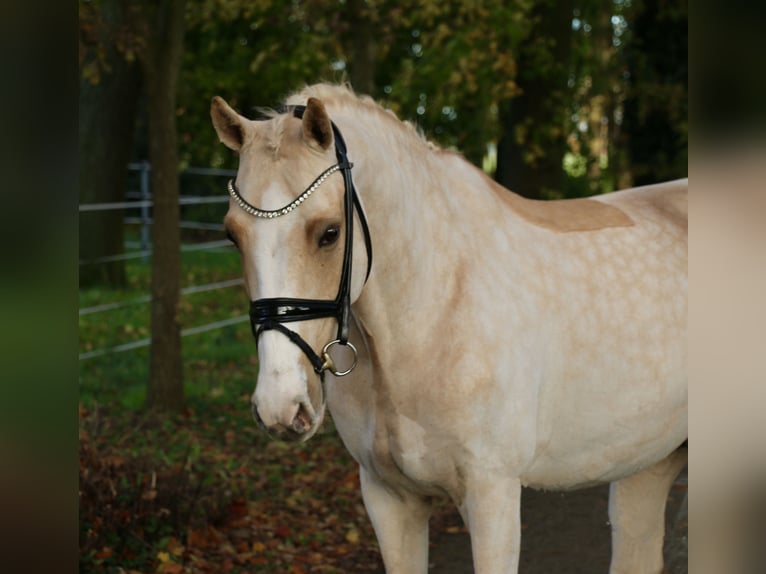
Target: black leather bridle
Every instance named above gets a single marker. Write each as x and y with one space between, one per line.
271 313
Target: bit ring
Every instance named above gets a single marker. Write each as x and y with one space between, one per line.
329 364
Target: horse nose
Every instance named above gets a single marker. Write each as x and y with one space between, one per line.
294 418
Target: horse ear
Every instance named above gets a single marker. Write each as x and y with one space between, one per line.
232 128
317 127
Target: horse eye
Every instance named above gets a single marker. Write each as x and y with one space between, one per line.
329 236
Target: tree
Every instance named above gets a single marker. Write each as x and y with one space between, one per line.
596 162
448 63
254 54
535 122
109 89
161 60
362 46
441 65
656 108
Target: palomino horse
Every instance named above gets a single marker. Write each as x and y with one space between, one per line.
501 341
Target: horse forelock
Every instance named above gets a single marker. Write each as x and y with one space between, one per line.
272 131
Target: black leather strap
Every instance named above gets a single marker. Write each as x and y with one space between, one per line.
269 314
341 154
286 310
295 338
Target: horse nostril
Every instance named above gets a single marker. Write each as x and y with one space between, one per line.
257 418
302 421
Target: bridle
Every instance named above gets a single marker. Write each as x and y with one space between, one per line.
271 313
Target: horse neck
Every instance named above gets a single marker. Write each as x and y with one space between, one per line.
415 198
397 184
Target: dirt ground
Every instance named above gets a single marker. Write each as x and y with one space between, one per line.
562 533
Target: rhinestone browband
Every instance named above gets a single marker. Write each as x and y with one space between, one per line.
269 214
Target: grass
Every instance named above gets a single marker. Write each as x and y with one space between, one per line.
122 376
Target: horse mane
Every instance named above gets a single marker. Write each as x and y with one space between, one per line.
342 96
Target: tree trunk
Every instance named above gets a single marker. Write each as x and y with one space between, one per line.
533 140
162 62
362 47
656 108
106 108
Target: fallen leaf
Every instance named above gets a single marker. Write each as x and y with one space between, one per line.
352 536
171 568
175 547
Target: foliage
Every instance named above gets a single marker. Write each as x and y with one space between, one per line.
440 64
206 492
598 91
444 65
449 66
252 53
108 29
656 106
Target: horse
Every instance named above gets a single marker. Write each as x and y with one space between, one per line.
492 342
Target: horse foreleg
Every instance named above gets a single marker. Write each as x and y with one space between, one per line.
491 509
400 521
637 515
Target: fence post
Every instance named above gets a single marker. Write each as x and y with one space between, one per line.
145 196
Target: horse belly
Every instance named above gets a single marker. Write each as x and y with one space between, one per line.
608 416
587 455
610 411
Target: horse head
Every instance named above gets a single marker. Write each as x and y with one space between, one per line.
295 254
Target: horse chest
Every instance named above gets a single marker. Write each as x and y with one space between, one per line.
401 451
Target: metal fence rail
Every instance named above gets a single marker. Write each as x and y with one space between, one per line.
181 224
146 252
146 167
143 200
146 342
183 200
148 298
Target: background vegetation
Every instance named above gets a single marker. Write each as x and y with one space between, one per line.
555 99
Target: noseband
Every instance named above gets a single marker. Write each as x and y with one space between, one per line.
271 313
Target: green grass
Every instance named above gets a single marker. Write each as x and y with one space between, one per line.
218 364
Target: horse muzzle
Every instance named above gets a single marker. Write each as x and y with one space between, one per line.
299 421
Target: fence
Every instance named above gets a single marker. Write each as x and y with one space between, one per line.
142 200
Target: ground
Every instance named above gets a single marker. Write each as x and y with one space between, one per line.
562 533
